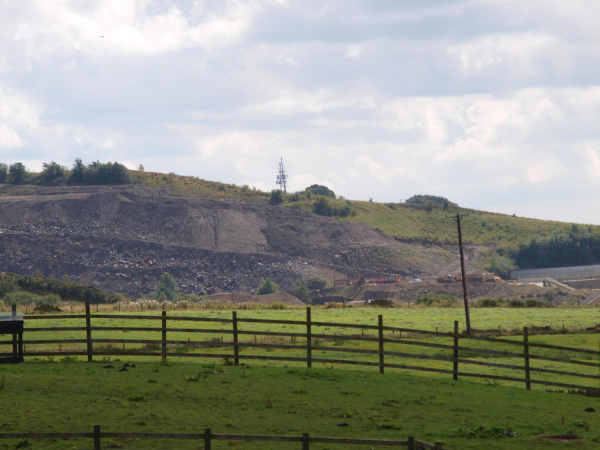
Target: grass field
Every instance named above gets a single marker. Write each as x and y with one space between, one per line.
276 397
53 397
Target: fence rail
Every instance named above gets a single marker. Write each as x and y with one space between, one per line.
207 437
308 345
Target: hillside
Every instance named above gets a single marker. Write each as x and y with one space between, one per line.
402 221
122 238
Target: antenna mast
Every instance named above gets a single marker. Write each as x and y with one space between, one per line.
282 177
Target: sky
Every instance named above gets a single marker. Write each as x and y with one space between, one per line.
494 104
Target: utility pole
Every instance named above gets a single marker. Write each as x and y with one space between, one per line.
464 274
282 177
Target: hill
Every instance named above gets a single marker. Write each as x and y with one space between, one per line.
403 221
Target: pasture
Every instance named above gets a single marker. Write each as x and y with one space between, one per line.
200 388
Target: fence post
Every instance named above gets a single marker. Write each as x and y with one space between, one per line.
207 439
381 360
308 339
96 437
236 349
455 364
88 331
305 441
526 353
411 443
164 336
13 309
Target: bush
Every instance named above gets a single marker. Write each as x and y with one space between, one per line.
166 288
501 265
515 303
7 285
277 305
22 298
443 300
53 173
17 173
276 197
3 173
99 173
322 206
316 285
318 189
490 302
267 286
301 291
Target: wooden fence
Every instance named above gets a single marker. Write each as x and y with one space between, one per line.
208 437
308 345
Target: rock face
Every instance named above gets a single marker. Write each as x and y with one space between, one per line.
122 238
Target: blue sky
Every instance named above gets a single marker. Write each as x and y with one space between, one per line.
494 104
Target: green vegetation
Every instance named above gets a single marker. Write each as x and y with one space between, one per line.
66 290
403 221
277 401
440 300
166 288
431 200
572 249
267 286
55 174
318 189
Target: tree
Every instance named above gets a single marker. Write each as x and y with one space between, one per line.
78 172
316 284
17 173
53 173
301 291
276 197
140 167
167 285
322 206
267 286
7 285
501 265
3 173
318 189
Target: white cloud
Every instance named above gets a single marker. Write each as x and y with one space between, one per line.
471 99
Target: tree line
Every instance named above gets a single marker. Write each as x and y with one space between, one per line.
577 248
56 174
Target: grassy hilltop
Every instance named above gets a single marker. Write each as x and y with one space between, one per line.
402 221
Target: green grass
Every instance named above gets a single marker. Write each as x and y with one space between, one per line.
54 397
412 318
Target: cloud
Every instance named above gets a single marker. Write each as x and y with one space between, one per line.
484 102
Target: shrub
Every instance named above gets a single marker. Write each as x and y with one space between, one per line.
99 173
490 302
267 286
167 287
318 189
3 173
277 305
443 300
316 284
276 197
515 303
22 298
322 206
17 173
53 173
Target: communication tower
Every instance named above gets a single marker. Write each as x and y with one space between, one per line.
282 177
